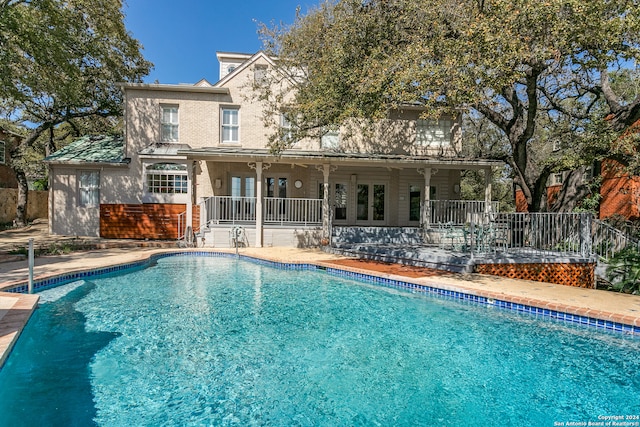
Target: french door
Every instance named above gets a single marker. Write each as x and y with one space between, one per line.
371 203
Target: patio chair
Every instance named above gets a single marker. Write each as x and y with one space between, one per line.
455 236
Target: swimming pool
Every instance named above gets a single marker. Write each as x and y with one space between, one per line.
223 341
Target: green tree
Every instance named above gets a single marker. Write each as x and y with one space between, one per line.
60 62
515 63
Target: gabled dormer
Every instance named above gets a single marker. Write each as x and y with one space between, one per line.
229 61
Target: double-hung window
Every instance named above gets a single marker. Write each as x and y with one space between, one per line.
433 133
286 127
330 140
3 159
89 188
169 123
230 125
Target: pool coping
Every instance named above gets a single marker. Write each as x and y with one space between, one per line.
14 320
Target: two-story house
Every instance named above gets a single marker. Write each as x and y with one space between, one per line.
194 160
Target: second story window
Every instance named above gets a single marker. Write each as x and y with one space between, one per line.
3 158
169 123
557 178
330 140
230 125
286 127
433 133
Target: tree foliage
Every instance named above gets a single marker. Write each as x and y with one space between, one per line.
623 270
60 62
535 70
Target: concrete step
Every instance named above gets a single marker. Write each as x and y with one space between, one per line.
378 235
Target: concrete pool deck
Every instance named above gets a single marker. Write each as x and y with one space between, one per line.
15 309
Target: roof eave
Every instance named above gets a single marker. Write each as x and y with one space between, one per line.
323 157
122 163
175 88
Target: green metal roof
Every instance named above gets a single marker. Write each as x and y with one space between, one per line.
91 149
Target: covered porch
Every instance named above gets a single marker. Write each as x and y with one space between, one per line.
311 192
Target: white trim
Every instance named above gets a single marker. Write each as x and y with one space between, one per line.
90 189
174 88
250 60
231 125
176 124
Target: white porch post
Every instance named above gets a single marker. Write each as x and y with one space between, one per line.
326 169
326 211
426 207
189 219
487 190
259 204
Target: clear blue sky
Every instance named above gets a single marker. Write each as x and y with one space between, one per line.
181 37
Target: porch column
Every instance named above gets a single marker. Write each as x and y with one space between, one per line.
189 219
326 169
487 190
426 206
326 211
259 216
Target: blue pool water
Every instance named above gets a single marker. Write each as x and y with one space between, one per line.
215 341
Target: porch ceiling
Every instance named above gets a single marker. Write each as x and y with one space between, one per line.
242 155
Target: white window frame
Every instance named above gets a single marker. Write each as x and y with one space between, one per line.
230 126
3 155
88 188
330 140
169 129
172 180
434 133
557 178
286 127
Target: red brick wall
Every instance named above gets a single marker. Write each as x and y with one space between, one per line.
521 202
552 196
619 191
145 221
580 275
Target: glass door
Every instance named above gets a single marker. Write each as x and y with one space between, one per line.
371 204
275 201
243 194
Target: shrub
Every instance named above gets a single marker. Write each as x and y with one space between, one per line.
624 270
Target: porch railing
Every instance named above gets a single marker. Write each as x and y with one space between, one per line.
242 210
292 211
457 212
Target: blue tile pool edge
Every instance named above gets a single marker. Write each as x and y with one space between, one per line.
62 279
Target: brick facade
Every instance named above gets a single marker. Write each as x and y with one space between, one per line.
620 192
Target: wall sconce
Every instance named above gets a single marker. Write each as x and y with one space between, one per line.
298 183
456 188
218 183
